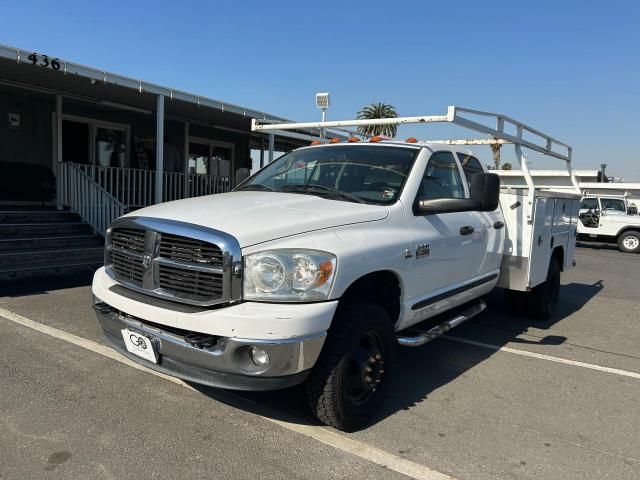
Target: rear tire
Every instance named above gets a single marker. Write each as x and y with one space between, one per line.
351 379
543 299
629 241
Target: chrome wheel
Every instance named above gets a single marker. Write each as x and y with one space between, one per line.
631 242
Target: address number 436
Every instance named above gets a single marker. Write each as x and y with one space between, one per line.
44 61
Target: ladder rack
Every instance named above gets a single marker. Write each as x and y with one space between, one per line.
540 143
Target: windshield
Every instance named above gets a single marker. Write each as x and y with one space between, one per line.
613 204
363 173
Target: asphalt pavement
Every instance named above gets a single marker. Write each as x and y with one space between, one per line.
501 397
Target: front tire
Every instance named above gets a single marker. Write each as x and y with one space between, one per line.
350 381
629 241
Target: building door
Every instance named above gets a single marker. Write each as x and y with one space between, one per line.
76 141
213 158
221 157
88 141
110 147
199 155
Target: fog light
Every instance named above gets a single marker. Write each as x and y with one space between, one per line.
259 357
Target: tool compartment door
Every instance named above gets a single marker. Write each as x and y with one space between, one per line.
543 215
573 211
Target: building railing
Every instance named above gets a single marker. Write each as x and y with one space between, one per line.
102 194
135 187
87 198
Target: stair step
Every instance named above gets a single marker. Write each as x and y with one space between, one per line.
42 257
35 216
20 230
63 241
52 268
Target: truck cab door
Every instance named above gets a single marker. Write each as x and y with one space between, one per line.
443 244
613 215
589 215
489 231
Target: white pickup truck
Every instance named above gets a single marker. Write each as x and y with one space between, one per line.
606 218
318 266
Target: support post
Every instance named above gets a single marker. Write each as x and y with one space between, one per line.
159 148
261 152
185 170
574 180
522 160
272 141
58 169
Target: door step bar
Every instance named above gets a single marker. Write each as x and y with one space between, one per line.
424 337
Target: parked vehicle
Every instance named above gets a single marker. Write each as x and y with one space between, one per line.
610 218
315 268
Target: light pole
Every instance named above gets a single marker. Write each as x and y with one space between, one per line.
322 102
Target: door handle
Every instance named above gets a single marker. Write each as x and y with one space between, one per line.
466 230
498 225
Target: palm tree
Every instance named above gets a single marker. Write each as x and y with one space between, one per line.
378 110
507 166
495 150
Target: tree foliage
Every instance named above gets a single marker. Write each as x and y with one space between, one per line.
495 150
378 110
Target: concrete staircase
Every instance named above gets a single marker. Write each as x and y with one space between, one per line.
36 242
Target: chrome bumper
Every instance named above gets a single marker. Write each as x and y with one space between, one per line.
225 364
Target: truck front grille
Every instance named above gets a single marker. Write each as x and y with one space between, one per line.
168 265
124 243
189 250
199 284
183 253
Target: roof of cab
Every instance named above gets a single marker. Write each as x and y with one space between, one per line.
433 146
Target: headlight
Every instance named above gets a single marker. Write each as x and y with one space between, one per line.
289 275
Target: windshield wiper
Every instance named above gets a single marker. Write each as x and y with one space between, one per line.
320 189
256 186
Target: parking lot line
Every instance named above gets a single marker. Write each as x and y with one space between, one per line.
540 356
321 434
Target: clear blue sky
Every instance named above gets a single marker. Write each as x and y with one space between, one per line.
571 68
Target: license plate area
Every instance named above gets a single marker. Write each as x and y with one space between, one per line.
140 345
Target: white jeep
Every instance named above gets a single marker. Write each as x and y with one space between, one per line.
606 218
318 266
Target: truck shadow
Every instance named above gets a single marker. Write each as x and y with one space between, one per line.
597 245
423 370
38 285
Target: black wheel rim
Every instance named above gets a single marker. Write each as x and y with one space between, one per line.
366 367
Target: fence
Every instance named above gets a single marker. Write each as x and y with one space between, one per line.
135 187
86 197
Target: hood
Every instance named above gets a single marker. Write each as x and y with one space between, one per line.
256 217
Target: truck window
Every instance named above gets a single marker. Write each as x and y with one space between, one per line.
589 204
470 165
614 204
442 178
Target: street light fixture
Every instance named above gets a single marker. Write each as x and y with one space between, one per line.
322 102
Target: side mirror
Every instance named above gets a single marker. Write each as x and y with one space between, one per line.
484 192
485 189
